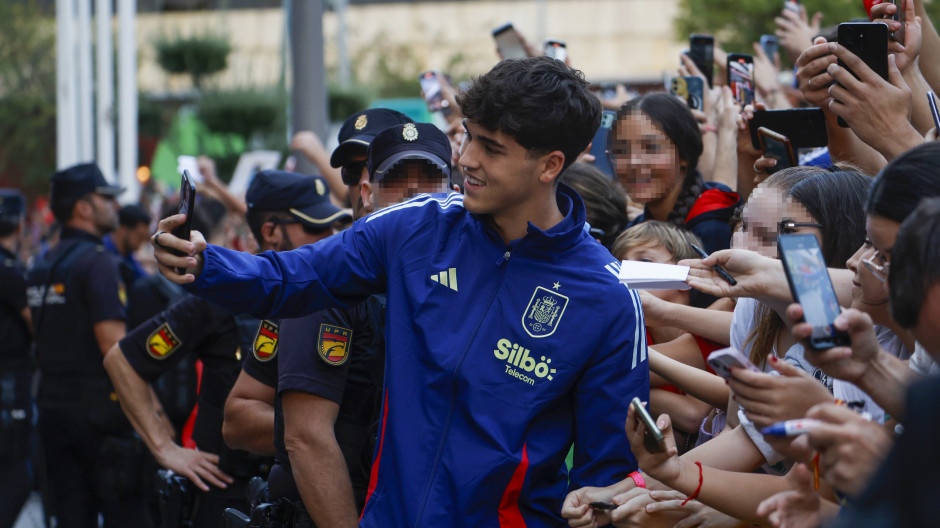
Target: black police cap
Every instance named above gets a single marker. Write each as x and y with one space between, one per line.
68 185
306 198
12 206
359 130
420 141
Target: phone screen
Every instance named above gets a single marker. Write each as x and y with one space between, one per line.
431 86
741 77
509 43
812 288
701 48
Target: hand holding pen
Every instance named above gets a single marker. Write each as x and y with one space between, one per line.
718 269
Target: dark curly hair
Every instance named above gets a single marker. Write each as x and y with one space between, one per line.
541 102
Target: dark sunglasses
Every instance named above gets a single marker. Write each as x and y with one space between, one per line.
351 172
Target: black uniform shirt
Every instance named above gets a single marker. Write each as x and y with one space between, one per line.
14 335
191 326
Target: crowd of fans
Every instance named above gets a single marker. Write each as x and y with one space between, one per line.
683 178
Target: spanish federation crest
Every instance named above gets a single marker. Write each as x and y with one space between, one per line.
162 342
265 345
409 132
333 344
544 312
361 122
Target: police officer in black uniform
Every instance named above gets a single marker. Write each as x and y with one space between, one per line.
16 362
194 326
331 362
76 299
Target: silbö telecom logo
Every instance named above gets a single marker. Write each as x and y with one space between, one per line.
518 356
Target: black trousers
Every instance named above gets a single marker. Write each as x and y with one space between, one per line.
73 450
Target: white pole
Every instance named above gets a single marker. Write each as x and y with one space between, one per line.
86 102
343 46
127 100
66 130
104 69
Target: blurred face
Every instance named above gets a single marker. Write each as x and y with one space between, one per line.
407 180
658 254
645 160
135 236
500 177
104 213
765 208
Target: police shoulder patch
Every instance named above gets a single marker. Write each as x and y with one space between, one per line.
265 344
544 312
162 342
333 344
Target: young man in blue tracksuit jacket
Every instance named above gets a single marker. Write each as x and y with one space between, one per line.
509 337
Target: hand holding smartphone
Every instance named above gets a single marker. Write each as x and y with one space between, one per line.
690 89
187 206
654 440
508 42
776 147
722 361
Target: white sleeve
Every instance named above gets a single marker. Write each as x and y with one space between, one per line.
922 363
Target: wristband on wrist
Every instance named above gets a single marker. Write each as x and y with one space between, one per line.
698 489
638 479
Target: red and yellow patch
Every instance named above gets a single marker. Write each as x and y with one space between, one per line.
162 342
333 344
265 346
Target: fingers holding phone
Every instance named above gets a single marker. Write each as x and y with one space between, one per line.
172 252
652 443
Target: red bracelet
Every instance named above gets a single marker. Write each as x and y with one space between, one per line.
698 489
638 479
711 128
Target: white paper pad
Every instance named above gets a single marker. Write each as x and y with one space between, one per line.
653 276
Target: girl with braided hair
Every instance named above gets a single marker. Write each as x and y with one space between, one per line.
654 145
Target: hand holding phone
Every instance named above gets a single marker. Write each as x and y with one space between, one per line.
653 439
722 361
187 206
690 89
508 42
776 147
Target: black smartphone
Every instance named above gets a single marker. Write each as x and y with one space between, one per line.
776 146
812 288
654 440
806 127
932 101
741 77
701 49
690 89
187 206
770 45
597 505
508 42
899 16
431 86
556 49
869 42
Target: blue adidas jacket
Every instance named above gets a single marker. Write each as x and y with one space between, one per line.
499 356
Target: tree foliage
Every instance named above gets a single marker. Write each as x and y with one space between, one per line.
27 96
736 24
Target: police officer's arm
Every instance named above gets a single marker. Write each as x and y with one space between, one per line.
249 416
135 397
167 262
316 459
108 333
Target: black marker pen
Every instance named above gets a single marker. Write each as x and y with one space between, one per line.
718 269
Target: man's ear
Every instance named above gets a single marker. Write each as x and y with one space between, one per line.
83 209
551 166
365 192
271 234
